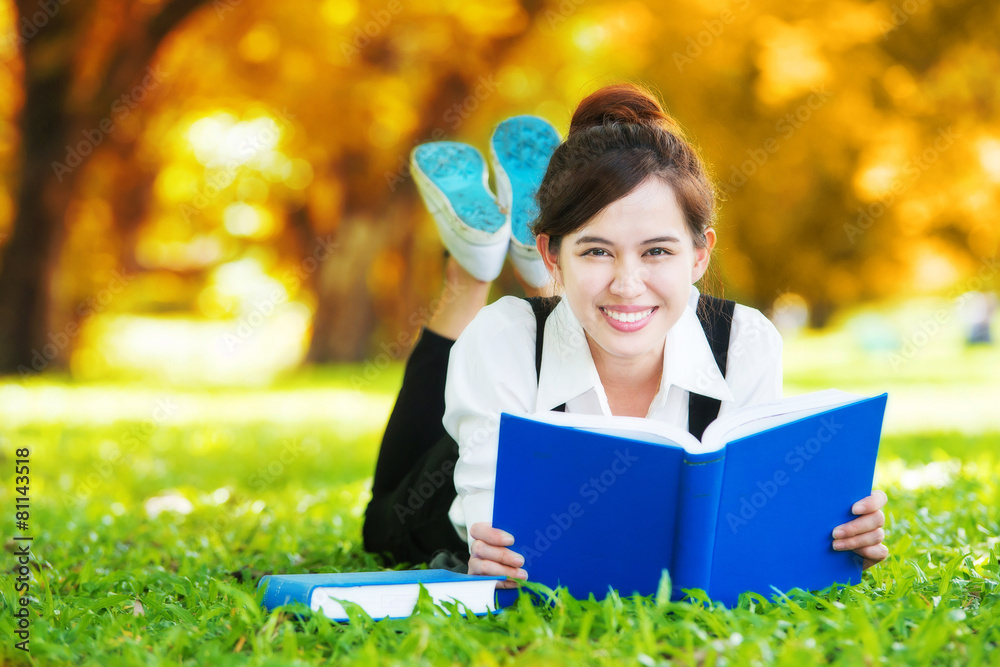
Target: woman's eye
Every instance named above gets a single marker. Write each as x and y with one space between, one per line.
659 251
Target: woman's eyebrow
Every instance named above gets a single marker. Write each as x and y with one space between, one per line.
598 239
592 239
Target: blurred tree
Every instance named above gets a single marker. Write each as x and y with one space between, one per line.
349 85
850 141
357 85
856 145
78 65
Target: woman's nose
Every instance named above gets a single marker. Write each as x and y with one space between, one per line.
629 280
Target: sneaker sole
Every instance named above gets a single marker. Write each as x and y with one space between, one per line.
453 180
520 150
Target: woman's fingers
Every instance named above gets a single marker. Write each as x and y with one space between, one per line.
868 539
493 568
865 534
863 524
484 531
871 516
873 555
875 501
490 555
489 567
502 555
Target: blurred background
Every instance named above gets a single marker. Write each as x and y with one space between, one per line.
215 192
214 261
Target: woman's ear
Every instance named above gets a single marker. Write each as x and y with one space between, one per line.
550 258
702 255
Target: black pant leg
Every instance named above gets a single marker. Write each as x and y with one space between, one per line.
411 524
415 423
414 487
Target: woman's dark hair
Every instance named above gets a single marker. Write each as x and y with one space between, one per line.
619 137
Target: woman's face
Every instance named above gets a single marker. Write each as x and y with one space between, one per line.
627 274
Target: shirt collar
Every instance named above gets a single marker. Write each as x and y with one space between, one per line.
688 359
568 368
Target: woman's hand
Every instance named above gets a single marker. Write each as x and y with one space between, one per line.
864 535
491 556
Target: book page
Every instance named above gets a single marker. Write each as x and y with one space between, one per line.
758 418
635 428
398 600
737 424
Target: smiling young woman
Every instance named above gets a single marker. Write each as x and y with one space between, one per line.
624 228
627 276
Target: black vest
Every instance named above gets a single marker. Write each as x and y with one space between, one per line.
716 317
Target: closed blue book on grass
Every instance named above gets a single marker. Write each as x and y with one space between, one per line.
598 503
391 593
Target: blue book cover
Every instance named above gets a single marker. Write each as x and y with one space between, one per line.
579 503
391 593
598 511
790 486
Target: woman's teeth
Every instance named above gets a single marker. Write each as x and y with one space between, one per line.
627 317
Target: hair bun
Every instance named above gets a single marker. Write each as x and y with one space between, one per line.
622 103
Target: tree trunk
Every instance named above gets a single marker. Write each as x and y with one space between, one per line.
25 271
50 122
345 317
345 314
820 311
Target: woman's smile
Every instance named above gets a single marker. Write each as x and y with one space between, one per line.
628 318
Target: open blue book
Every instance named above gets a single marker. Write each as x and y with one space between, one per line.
391 593
596 502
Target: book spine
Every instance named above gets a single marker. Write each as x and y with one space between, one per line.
698 514
282 591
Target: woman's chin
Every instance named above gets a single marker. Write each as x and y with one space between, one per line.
631 344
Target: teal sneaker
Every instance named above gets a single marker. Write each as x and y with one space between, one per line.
453 180
520 149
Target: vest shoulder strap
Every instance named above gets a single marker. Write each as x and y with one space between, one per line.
542 306
716 317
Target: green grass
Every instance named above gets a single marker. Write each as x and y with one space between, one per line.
277 480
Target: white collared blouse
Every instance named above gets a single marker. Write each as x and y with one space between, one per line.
492 370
